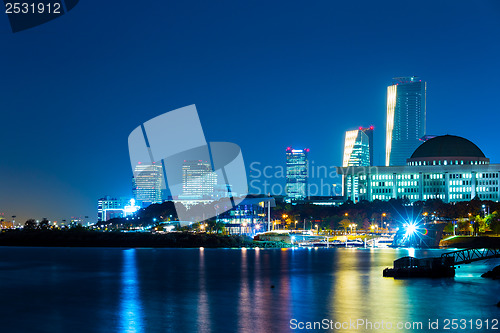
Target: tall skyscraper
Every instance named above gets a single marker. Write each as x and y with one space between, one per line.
405 118
148 183
369 132
358 151
296 174
358 147
198 180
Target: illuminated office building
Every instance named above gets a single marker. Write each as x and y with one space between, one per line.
296 174
358 151
446 167
358 147
406 114
369 133
148 184
109 208
198 180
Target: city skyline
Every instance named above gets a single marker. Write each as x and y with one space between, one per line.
323 69
249 166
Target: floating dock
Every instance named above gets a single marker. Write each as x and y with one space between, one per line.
409 267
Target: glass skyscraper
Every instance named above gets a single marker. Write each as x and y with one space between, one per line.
198 180
405 118
148 183
358 151
296 174
358 147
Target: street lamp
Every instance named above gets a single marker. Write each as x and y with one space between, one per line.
316 226
470 223
284 217
382 218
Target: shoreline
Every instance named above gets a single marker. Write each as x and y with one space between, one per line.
90 238
468 242
87 238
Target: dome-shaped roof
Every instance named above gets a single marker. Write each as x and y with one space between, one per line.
447 146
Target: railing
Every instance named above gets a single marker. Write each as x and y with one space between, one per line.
470 255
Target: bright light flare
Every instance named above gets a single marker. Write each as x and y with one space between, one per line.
411 229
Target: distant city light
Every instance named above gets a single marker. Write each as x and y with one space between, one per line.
131 208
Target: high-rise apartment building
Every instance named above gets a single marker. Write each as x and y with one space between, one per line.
198 180
406 114
148 183
296 174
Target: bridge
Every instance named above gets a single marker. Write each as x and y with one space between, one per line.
470 255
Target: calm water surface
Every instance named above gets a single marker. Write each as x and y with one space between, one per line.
229 290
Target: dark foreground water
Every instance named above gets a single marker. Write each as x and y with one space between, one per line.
229 290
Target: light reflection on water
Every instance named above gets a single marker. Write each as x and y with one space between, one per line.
203 304
131 316
227 290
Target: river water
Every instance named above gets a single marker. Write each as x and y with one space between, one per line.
236 290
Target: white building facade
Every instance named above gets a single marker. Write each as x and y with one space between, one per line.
447 167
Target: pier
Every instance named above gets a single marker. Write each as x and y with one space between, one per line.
436 267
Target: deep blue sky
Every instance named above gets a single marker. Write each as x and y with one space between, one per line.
262 75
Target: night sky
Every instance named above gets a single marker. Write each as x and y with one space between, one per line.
262 75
